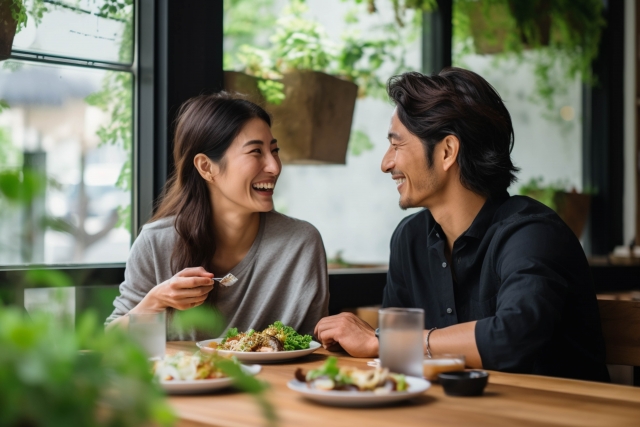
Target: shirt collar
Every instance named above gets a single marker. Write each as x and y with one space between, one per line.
484 219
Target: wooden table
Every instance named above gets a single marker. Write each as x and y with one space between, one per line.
509 400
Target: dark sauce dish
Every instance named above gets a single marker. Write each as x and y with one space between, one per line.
464 383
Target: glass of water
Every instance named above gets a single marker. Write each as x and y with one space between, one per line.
401 347
149 331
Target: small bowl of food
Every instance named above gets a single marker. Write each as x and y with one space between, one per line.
464 383
442 363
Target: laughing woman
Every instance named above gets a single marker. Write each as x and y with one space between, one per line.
216 217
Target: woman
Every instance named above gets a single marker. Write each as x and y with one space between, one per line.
216 217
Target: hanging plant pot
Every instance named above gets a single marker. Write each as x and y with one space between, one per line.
313 123
7 29
573 208
492 27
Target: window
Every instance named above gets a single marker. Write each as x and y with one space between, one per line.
353 205
68 121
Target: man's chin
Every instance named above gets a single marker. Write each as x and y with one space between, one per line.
405 204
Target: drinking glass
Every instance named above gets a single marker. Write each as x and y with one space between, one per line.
149 331
401 348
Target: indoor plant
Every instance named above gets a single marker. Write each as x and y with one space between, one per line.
571 206
558 33
304 74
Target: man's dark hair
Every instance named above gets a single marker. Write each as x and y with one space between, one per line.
461 103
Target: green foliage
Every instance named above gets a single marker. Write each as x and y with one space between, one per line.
19 14
545 194
567 41
400 7
202 318
10 155
116 97
273 91
300 43
293 340
52 377
328 369
232 332
47 278
245 23
21 186
359 142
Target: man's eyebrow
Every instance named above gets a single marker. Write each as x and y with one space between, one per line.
258 142
393 135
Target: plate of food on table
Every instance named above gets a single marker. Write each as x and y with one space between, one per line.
276 343
349 386
182 373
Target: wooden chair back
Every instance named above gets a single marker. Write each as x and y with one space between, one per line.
621 329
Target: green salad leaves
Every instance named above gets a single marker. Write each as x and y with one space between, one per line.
292 340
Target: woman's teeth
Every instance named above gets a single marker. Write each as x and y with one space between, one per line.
263 186
399 181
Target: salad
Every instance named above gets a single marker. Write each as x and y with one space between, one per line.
184 367
277 337
330 377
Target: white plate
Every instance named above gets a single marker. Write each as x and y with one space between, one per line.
417 386
258 357
201 386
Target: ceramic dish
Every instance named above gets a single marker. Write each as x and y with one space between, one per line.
417 386
259 357
202 386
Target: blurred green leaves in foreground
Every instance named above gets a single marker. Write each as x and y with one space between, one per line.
50 376
53 376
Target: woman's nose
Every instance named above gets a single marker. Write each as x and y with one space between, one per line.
272 165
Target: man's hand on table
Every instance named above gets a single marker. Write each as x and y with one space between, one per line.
354 335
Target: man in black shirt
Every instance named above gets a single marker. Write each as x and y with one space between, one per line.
501 279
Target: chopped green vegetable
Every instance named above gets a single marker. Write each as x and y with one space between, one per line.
292 340
328 369
401 382
230 334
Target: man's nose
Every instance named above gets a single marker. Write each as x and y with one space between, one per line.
388 161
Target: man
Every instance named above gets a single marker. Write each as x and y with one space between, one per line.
501 279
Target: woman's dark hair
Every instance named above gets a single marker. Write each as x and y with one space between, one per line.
206 124
461 103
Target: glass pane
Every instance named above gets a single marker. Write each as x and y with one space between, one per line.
544 101
66 132
353 205
99 30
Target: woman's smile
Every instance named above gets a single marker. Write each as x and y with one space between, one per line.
264 188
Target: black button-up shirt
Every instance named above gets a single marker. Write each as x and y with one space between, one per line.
520 272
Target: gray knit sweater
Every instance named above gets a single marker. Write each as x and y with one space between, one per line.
282 277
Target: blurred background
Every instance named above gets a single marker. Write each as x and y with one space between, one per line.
89 90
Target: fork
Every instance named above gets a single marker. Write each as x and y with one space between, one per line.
227 280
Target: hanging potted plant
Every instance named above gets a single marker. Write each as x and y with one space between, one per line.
556 32
571 206
13 17
312 83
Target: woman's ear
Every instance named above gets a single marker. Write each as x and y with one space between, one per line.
451 146
207 169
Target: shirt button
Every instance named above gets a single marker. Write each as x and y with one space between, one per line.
449 310
438 235
444 265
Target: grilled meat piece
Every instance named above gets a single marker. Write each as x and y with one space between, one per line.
273 342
